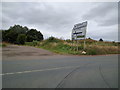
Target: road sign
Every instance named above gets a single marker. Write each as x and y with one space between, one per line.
79 31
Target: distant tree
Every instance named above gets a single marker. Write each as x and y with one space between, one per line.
100 39
89 38
51 39
113 41
21 39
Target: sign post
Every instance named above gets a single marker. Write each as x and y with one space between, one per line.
79 32
84 44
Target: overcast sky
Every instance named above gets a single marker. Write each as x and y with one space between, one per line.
57 19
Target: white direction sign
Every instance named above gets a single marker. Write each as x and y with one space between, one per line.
79 31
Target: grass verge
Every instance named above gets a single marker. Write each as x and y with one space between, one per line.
68 47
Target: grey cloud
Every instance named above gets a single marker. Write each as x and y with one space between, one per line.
58 18
100 10
109 22
38 13
111 19
101 14
106 34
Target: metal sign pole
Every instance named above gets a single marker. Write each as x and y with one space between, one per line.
84 44
77 45
84 40
72 44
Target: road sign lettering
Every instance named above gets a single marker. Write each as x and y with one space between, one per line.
79 31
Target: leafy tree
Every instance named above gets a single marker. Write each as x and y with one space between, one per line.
13 32
4 32
21 38
89 38
0 35
29 38
33 34
19 29
11 36
101 39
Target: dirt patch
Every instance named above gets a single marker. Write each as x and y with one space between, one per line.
18 52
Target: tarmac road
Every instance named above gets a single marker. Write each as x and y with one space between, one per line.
61 72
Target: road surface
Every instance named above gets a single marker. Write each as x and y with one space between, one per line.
48 70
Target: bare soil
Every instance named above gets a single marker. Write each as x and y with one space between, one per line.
26 52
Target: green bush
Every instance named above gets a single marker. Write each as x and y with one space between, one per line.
91 52
53 39
33 43
68 40
29 43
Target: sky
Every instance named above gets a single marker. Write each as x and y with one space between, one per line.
58 18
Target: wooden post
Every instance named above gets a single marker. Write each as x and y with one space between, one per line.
76 43
72 45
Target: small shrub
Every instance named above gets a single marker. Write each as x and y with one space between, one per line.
91 52
53 39
101 40
34 43
81 47
29 43
68 40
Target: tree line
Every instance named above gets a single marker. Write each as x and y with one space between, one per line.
19 35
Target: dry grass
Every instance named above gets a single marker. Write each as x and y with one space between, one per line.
68 47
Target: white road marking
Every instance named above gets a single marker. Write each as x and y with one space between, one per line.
38 70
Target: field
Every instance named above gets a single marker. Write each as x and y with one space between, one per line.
92 47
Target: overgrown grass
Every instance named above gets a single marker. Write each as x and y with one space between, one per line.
68 47
100 50
60 48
